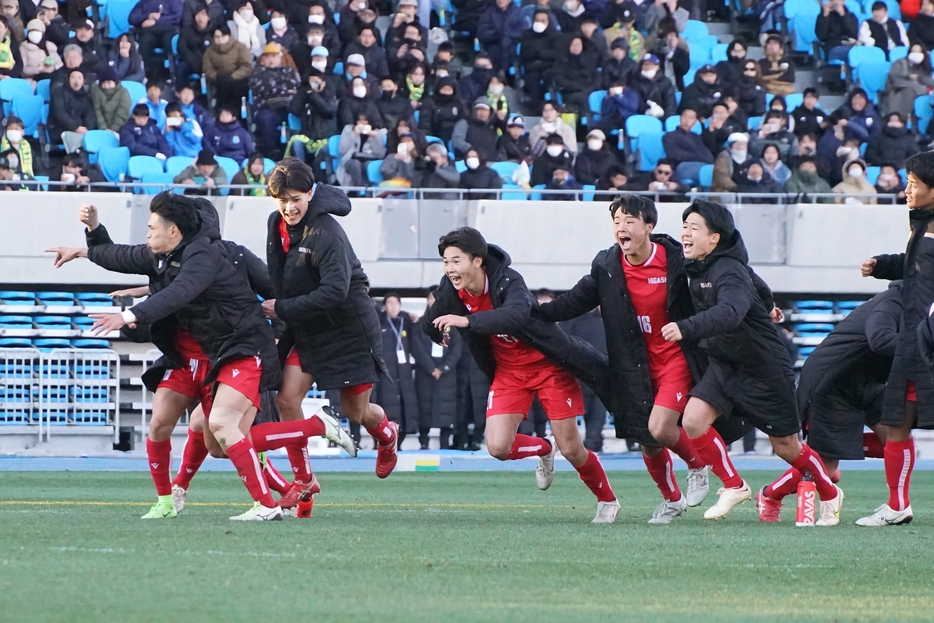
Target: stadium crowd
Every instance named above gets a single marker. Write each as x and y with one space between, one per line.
605 95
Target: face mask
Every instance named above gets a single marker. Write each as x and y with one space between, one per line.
472 163
855 171
539 27
916 58
594 144
34 36
739 156
496 89
278 23
616 91
174 122
807 176
359 91
387 94
246 14
15 136
361 6
315 41
402 149
570 7
315 19
554 150
320 65
755 179
885 177
650 74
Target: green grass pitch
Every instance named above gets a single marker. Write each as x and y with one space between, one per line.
447 547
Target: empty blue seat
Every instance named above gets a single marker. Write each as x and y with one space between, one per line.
637 124
805 351
268 165
89 418
16 322
91 343
295 124
176 164
845 307
114 162
898 53
651 150
56 298
139 165
693 29
705 176
44 91
92 371
923 113
10 369
94 299
10 88
813 306
505 170
460 166
755 123
718 53
47 344
29 108
230 166
537 196
595 101
55 371
517 193
14 297
862 54
872 77
53 323
94 140
803 25
137 91
372 172
872 174
161 179
118 17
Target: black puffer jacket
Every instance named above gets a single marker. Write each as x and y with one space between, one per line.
321 292
437 398
395 393
439 113
196 287
891 146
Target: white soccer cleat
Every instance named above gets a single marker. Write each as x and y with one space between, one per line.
885 516
830 511
698 486
178 497
728 499
334 432
545 472
606 512
258 512
666 512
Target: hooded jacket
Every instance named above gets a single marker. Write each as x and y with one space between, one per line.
808 121
891 146
69 110
862 124
590 166
321 294
855 185
658 89
539 51
441 113
700 97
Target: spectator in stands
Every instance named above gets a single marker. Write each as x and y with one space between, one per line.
143 137
837 30
274 86
444 56
11 63
437 172
502 97
759 182
736 114
14 142
893 145
91 49
184 136
719 128
562 179
246 28
686 150
860 115
203 176
350 21
230 139
620 103
538 52
922 26
10 10
158 21
834 135
499 30
661 10
655 88
392 106
808 118
909 78
400 129
401 164
442 111
595 160
621 17
7 175
414 89
731 166
676 59
778 71
477 82
569 16
281 32
213 8
772 163
479 176
125 60
732 69
410 51
77 174
889 183
192 108
357 101
575 74
71 113
40 56
56 29
405 15
855 183
703 93
513 145
616 179
227 64
354 70
253 175
593 37
360 143
882 31
774 132
323 31
367 47
72 58
111 101
530 9
316 105
618 66
555 156
155 102
194 39
479 131
806 181
662 180
779 105
552 123
749 92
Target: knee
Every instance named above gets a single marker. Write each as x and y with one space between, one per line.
498 450
217 452
694 427
659 431
786 448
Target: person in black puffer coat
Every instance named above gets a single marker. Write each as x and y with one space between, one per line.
894 145
479 176
538 51
396 391
479 131
618 67
576 74
654 86
595 160
441 112
71 109
731 70
555 156
513 144
703 93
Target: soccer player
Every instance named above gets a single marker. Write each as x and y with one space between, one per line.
909 394
749 372
840 391
488 301
640 284
332 334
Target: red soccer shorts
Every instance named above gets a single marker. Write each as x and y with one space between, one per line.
513 392
672 383
911 394
353 390
292 359
190 382
244 376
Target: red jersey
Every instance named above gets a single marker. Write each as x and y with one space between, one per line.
508 351
648 290
187 347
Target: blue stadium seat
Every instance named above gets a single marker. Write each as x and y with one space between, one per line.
43 90
229 165
460 166
797 7
898 53
16 323
47 344
803 25
372 172
705 176
513 196
793 101
114 162
155 178
17 297
176 164
536 196
718 53
53 323
137 91
672 122
694 29
56 298
862 55
139 165
339 68
638 124
91 343
14 342
94 299
588 196
268 165
95 140
845 307
83 323
334 146
29 108
872 77
651 150
923 113
118 16
754 123
872 174
10 88
595 101
295 124
813 306
505 170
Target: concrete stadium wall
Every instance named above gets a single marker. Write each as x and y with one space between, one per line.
796 248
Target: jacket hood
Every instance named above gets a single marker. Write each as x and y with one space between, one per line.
846 165
328 200
496 259
210 221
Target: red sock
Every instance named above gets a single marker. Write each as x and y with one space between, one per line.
159 454
899 461
811 461
662 472
593 475
873 447
526 446
273 435
193 456
243 456
712 450
298 460
382 433
784 486
274 479
687 451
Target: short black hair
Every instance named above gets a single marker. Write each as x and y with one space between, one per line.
467 239
141 110
290 174
554 139
223 28
922 165
174 107
392 295
178 210
811 91
718 218
14 120
74 160
636 205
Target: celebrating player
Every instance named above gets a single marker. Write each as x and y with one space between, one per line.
491 305
750 372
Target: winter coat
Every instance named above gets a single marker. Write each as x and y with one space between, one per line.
914 267
901 90
766 185
780 173
34 59
439 114
393 109
170 12
268 83
231 140
891 146
590 165
350 107
352 145
231 59
499 31
730 71
863 124
613 70
682 146
778 75
321 294
883 36
786 142
855 185
832 29
659 90
700 97
471 133
374 56
69 110
566 132
111 107
808 121
467 15
393 167
126 69
257 29
727 173
545 165
198 288
621 107
395 392
577 73
186 139
922 30
483 177
196 112
317 110
796 185
192 172
144 140
437 398
539 51
515 150
192 43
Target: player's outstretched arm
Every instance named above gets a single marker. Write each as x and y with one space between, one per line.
511 316
579 300
333 263
890 266
444 306
198 267
734 299
63 255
